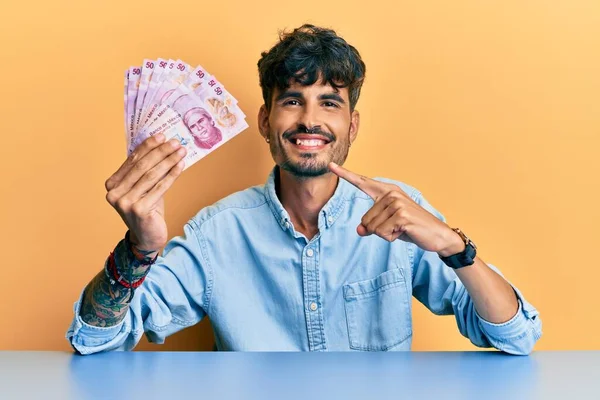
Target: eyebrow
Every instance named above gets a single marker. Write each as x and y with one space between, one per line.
332 96
289 94
298 95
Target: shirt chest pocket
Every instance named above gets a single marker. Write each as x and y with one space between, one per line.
378 311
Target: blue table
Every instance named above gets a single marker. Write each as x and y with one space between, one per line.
307 376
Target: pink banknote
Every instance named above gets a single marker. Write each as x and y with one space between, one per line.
175 74
132 86
156 79
125 108
145 76
183 103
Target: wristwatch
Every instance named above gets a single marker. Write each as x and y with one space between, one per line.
466 257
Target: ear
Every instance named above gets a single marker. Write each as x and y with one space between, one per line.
354 124
263 121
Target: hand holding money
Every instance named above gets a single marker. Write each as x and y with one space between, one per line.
174 116
136 190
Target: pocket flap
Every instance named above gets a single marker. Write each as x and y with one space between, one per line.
390 278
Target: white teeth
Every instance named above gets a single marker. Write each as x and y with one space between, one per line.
310 143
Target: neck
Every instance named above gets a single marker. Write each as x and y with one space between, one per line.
303 199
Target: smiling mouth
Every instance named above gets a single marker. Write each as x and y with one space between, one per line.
309 143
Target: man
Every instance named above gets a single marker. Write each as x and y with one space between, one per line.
308 261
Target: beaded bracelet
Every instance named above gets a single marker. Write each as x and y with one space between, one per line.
131 257
115 276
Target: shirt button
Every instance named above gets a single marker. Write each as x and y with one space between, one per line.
330 219
313 306
287 225
310 253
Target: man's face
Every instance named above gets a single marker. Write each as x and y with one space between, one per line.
308 127
201 126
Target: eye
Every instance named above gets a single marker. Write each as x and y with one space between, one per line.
330 104
292 102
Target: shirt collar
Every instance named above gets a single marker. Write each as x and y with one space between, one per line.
328 214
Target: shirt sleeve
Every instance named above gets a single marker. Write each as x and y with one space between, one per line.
175 295
440 290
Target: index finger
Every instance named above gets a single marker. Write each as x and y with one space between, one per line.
144 148
369 186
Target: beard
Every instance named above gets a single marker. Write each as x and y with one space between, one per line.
309 164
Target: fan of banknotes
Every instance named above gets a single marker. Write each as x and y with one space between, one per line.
169 97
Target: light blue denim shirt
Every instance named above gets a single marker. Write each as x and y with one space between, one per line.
264 286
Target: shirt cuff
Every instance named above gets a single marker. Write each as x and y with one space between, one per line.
505 330
82 335
518 325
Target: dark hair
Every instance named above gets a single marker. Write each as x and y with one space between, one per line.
307 53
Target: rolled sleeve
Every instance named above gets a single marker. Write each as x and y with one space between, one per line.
173 296
509 328
87 339
517 335
441 291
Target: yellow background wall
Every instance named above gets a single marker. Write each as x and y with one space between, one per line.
491 109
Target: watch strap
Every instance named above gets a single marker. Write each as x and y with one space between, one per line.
460 260
464 258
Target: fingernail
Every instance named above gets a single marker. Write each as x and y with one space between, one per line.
174 143
160 137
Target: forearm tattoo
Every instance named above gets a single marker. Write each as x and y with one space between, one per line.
105 304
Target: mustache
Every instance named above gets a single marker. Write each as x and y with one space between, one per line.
316 131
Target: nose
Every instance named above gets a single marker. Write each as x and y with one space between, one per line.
308 121
306 129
